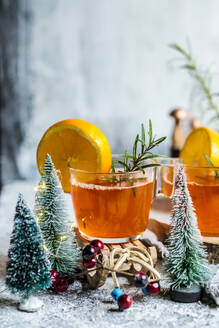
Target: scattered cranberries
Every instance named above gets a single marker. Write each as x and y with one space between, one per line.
98 244
140 280
124 302
88 264
153 288
61 286
89 252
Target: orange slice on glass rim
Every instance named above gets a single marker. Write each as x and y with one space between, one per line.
201 141
77 144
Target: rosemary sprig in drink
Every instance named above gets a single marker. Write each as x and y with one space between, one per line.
210 162
136 161
141 151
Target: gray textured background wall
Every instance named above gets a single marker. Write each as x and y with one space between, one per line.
107 61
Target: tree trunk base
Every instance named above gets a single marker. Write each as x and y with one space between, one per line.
186 294
30 304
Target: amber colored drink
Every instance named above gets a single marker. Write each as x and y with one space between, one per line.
204 190
112 210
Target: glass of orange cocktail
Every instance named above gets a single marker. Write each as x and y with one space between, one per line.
113 207
203 186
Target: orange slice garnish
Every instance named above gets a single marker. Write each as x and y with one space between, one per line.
201 141
74 143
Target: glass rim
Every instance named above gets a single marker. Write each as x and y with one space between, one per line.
111 173
184 165
156 161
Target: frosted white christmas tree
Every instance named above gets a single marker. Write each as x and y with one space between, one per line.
186 262
28 269
51 214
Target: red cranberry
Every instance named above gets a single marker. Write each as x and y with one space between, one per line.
140 280
61 286
88 264
124 302
153 288
98 244
89 252
54 276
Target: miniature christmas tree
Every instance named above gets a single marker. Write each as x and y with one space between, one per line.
28 269
50 212
186 262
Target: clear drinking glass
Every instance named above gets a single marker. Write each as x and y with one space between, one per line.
113 207
203 186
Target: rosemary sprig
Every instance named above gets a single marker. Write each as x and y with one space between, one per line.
141 151
197 73
136 161
210 162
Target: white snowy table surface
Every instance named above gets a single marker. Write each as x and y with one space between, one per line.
78 308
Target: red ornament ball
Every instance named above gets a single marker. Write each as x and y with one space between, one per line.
124 302
61 286
140 279
89 264
153 288
89 252
98 244
55 276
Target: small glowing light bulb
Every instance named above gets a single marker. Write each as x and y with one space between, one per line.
44 246
43 185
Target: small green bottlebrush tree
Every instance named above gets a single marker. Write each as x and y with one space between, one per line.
50 213
28 269
186 263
